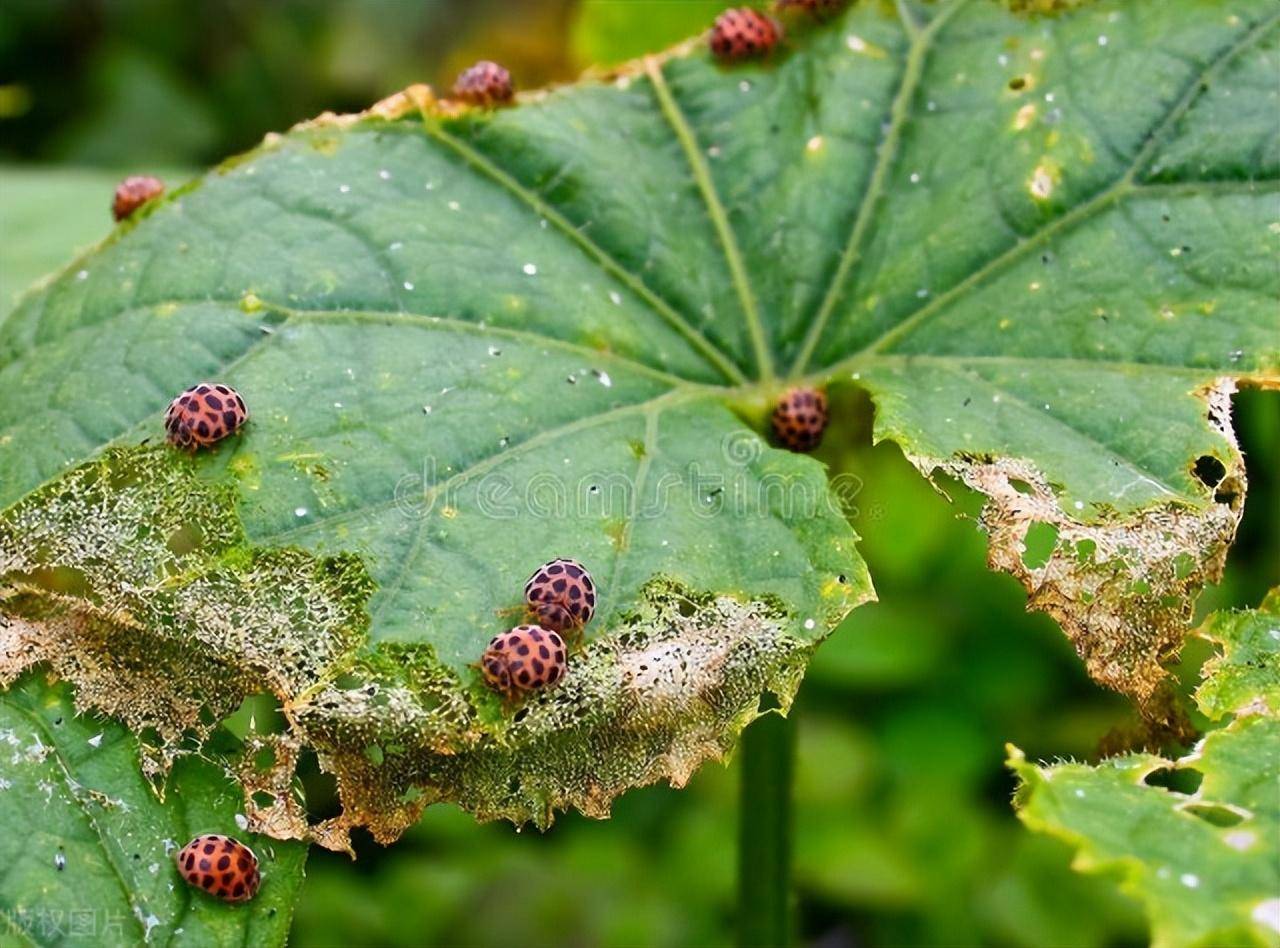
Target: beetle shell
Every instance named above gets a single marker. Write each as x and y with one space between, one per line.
204 414
561 594
224 867
485 83
800 418
133 192
527 658
743 34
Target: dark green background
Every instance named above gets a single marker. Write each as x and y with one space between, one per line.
904 831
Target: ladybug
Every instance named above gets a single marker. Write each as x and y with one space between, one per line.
485 83
224 867
204 414
820 9
133 192
744 33
800 418
527 658
561 595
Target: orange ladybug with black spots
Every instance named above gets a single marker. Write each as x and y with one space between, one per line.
527 658
204 414
561 595
222 866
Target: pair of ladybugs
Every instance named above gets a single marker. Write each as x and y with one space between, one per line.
742 33
561 598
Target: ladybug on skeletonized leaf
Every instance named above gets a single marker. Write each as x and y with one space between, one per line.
744 33
527 658
561 595
133 192
800 418
485 83
204 414
224 867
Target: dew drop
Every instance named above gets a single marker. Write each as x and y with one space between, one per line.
1268 913
1240 839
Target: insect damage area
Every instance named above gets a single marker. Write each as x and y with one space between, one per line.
131 578
1122 587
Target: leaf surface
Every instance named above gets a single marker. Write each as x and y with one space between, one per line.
474 341
88 848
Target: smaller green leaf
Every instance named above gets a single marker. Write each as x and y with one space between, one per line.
1197 839
87 848
1246 675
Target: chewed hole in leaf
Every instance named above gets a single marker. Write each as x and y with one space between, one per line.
1230 493
185 540
319 788
1184 780
1214 814
1209 471
1039 545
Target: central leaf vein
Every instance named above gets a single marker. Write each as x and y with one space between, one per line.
715 211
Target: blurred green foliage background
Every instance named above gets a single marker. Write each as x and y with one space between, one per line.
904 832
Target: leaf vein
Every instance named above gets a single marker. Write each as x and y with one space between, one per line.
665 310
715 211
899 113
1110 194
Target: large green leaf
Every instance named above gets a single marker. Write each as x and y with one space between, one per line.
87 848
472 341
1204 859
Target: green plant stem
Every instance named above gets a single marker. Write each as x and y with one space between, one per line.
764 833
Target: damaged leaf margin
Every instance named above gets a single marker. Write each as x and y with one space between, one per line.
130 577
1122 585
